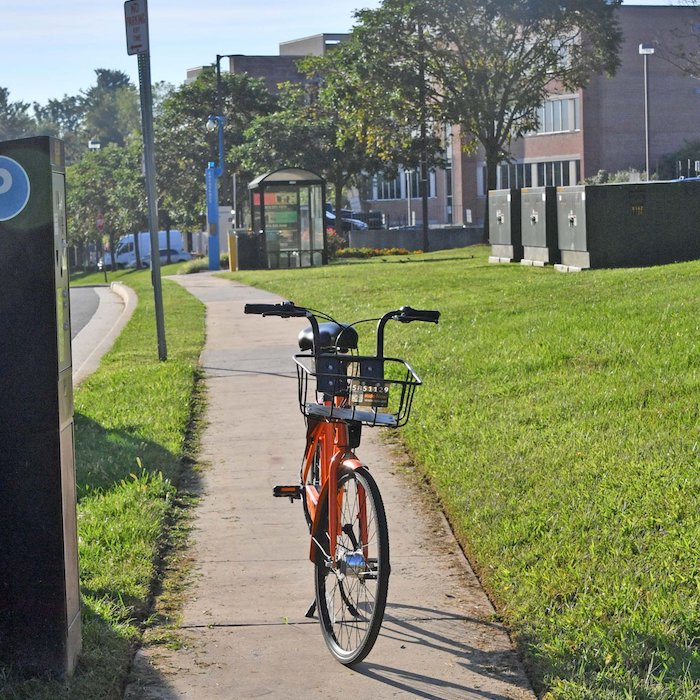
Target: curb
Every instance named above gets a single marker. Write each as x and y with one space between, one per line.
103 330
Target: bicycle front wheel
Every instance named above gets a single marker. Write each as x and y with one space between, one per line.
351 587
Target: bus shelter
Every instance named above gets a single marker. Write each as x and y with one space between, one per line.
287 205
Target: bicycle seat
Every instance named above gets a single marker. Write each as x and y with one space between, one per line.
330 334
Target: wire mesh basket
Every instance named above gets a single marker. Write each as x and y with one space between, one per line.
375 391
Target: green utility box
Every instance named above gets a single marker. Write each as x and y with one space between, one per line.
628 225
505 226
539 226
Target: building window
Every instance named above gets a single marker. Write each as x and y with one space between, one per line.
404 184
554 173
387 188
558 115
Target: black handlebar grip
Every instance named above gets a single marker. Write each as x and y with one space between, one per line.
261 309
285 310
408 314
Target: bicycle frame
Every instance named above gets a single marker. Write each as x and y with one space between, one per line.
330 441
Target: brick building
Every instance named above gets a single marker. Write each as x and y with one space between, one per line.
601 127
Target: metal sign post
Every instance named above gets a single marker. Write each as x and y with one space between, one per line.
136 17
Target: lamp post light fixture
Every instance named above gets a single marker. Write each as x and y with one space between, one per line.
646 50
213 173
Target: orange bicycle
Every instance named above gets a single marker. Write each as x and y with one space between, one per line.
339 392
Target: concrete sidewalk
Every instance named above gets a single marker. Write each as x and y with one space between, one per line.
244 630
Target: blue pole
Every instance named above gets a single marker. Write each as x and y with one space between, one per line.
213 173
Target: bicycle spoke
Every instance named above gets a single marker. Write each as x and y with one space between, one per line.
352 587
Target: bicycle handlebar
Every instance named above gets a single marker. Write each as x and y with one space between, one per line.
407 315
287 309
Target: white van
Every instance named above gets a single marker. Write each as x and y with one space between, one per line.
125 253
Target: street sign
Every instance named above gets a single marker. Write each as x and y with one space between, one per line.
136 18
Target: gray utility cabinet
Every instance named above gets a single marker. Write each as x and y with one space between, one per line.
628 225
539 226
505 226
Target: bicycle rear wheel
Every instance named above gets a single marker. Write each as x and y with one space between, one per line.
351 589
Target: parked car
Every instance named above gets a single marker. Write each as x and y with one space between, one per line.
175 257
349 224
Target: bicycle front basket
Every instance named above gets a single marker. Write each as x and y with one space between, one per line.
371 390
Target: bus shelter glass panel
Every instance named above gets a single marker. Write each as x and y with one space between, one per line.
288 206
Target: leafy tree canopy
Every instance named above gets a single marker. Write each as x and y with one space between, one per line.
184 146
485 65
15 121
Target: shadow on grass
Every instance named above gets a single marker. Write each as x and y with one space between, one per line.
103 665
127 498
104 457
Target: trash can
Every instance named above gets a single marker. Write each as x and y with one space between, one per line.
539 226
251 251
505 226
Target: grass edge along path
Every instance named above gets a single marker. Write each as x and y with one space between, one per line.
133 417
560 428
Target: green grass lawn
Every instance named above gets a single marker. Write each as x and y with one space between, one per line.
131 422
559 426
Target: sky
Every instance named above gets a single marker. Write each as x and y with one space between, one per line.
50 48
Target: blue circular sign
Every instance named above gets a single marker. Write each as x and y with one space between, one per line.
14 188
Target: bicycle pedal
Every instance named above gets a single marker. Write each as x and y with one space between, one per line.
290 492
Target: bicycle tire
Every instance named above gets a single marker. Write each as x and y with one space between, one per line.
351 592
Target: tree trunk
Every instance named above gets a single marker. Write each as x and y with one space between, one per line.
338 206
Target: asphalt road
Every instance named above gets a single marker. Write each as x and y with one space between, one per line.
83 305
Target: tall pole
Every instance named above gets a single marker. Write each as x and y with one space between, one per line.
646 50
144 63
646 114
212 175
423 138
137 42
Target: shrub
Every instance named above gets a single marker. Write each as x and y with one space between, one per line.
372 252
334 244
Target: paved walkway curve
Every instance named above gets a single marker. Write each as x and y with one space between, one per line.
244 627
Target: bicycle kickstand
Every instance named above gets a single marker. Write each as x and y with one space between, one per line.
312 610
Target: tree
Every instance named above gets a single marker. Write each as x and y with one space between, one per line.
107 182
387 106
63 119
110 108
680 45
15 121
486 65
184 146
303 133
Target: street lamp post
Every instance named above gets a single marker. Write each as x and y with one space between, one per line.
213 173
646 50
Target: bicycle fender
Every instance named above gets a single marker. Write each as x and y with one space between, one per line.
315 552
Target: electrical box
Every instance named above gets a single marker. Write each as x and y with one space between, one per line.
629 224
539 226
505 226
39 585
